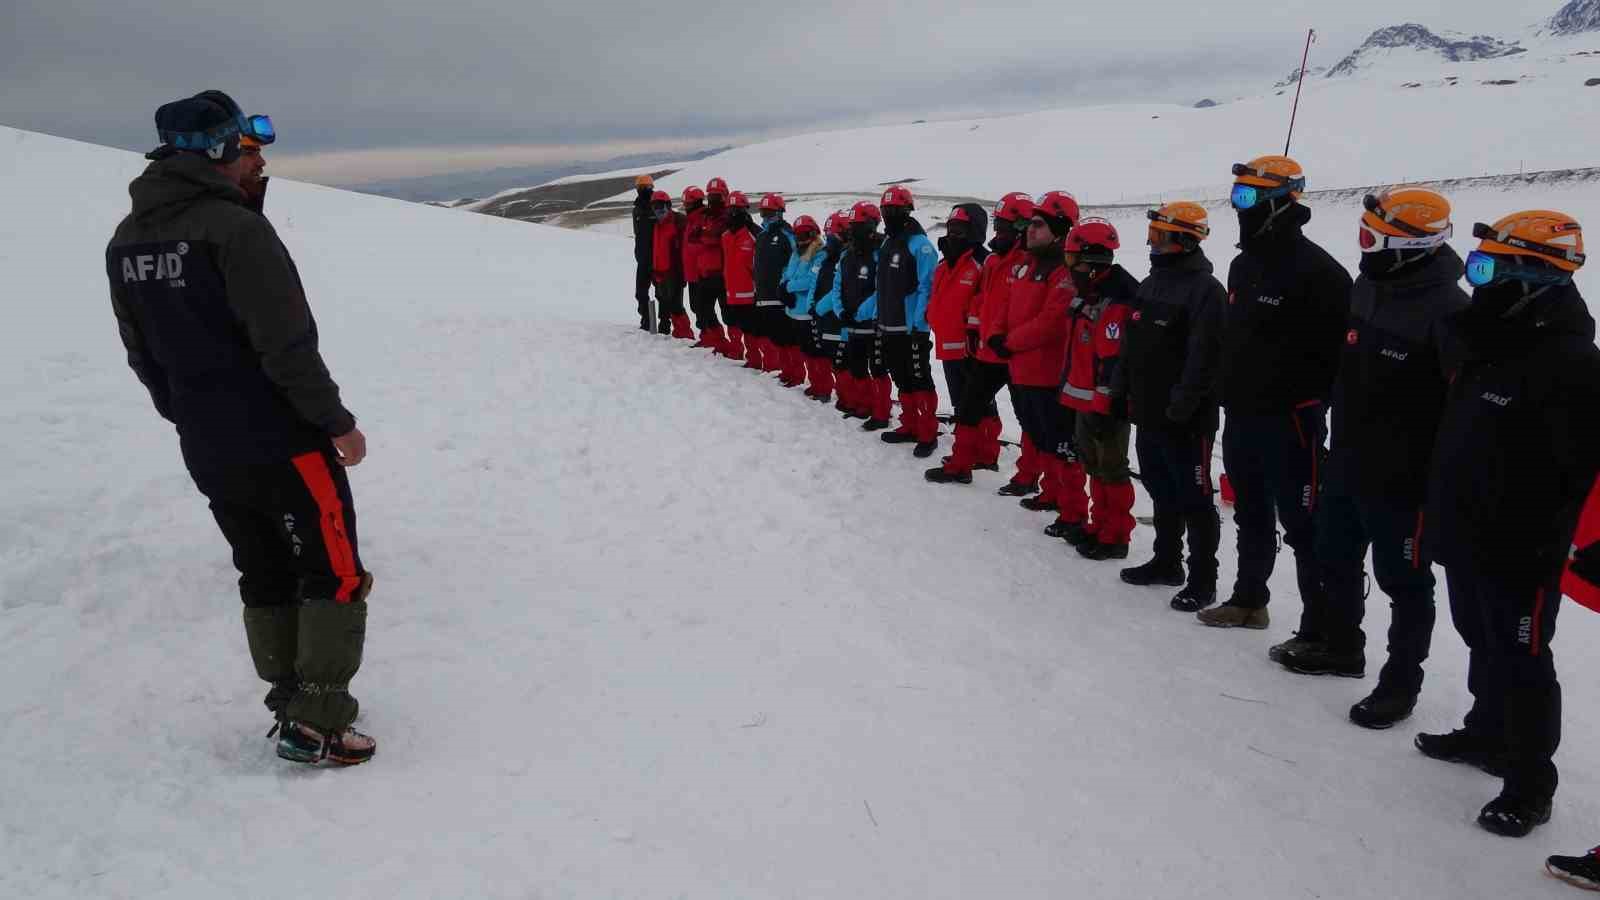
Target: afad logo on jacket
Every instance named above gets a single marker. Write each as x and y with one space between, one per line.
1352 337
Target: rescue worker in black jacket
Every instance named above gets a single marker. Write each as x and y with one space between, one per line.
1517 452
1167 381
1283 325
644 231
1393 374
215 323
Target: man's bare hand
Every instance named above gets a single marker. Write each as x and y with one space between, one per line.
352 447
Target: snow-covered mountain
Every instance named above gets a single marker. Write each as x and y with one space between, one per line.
1411 39
1577 17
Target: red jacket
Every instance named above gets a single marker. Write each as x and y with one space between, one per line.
1094 343
667 263
953 302
1035 324
1000 272
706 237
739 272
691 250
1574 586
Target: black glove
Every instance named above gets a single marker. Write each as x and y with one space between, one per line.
1586 563
1179 413
790 298
972 342
997 343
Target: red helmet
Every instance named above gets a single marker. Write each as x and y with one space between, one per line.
897 195
959 214
805 225
1058 205
1093 232
738 200
865 212
838 223
661 197
717 186
1014 207
773 203
692 194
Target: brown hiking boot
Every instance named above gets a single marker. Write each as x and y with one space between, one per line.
1229 616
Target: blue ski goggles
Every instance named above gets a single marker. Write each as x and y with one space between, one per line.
1249 196
1484 269
260 128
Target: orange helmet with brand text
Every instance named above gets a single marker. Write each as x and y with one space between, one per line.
1266 178
1404 218
1544 235
1181 217
644 181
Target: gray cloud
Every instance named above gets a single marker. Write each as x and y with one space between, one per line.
420 75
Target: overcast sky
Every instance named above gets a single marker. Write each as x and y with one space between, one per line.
363 89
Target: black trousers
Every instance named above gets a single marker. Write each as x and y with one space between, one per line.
981 383
670 294
703 296
960 376
778 326
1346 527
864 355
1175 468
814 345
907 356
642 280
292 527
1507 622
1044 420
1273 462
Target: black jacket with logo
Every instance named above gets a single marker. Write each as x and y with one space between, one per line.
1173 346
1393 375
644 229
858 280
1288 302
1519 440
215 321
897 275
774 246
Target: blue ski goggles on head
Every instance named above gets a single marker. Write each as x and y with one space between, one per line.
1248 196
1484 269
260 128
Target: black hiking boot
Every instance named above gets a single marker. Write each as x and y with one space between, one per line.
987 467
897 437
1578 871
1193 598
924 449
1071 532
1166 572
1097 551
1038 505
1462 746
874 424
1510 815
1320 659
941 475
1383 708
1017 488
1293 645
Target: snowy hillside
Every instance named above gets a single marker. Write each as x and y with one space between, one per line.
650 626
1411 40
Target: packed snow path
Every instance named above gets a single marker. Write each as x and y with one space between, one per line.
646 625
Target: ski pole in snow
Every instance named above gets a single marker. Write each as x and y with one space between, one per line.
1311 35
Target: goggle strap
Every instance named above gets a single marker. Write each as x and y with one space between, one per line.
1201 230
1486 233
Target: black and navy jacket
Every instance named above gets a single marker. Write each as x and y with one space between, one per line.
1393 374
644 229
215 322
774 246
1518 446
1174 345
906 263
858 285
1284 322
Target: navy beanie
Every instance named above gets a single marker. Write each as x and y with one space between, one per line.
206 124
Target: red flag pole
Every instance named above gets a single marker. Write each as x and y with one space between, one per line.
1310 34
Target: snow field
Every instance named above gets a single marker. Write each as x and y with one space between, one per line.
647 625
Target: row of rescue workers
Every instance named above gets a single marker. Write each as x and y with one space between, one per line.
1463 428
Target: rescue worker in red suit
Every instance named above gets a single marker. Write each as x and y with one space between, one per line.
739 277
1032 339
666 268
1100 318
977 443
702 301
706 236
953 302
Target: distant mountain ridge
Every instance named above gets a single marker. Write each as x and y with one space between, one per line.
1450 46
1577 17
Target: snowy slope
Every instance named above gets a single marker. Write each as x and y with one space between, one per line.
646 626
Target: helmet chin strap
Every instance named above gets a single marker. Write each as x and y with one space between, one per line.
1529 294
1272 216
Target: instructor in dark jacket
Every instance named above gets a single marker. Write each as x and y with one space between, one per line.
216 326
1168 382
1388 398
644 243
1283 325
1517 453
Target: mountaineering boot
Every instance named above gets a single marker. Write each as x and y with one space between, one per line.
1296 644
1462 746
1071 532
1097 550
271 633
898 436
1578 871
1511 815
1193 598
1383 708
1018 489
1158 571
1320 659
1230 616
330 640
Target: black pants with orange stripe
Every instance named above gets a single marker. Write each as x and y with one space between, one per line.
1273 462
1507 621
292 527
1347 526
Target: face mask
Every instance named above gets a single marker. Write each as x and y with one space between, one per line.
662 212
1084 282
1003 241
768 217
862 232
895 218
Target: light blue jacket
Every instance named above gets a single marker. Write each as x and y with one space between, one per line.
799 279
